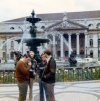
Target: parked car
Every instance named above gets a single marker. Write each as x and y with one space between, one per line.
86 61
62 63
90 60
10 61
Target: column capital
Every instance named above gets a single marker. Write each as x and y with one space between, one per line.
69 34
77 33
61 34
53 35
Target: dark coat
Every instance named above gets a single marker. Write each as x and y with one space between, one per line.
41 69
50 71
32 71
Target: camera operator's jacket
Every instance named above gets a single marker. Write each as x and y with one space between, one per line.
50 71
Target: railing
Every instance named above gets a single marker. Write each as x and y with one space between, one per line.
78 74
7 76
62 74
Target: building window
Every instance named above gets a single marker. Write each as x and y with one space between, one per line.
99 43
66 53
58 53
98 25
91 42
91 54
11 55
4 45
43 27
12 44
90 25
82 53
99 48
4 55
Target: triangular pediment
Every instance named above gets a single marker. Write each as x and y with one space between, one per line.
66 25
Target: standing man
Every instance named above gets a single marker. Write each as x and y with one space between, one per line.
42 86
32 73
22 75
49 75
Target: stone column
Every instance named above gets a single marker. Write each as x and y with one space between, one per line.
69 44
54 46
78 44
62 47
86 44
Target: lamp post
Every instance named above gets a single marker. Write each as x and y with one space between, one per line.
86 51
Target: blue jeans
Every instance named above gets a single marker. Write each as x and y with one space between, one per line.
43 90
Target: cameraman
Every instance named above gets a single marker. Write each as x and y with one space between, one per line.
32 73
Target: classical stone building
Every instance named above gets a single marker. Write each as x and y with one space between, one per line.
67 32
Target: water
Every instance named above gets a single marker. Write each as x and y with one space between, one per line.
66 43
7 41
3 44
25 34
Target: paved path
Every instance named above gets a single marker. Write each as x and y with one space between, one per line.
65 91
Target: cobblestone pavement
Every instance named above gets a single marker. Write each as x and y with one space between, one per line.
64 91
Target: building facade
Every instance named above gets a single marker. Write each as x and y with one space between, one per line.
67 32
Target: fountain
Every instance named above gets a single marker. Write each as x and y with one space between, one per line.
34 42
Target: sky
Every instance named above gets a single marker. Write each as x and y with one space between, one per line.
12 9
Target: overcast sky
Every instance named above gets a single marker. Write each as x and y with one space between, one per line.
11 9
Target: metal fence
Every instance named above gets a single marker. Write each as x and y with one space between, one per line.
7 76
62 74
78 74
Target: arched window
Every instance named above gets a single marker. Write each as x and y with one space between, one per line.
12 28
91 53
43 27
90 25
4 45
91 42
50 37
98 42
12 44
98 25
11 55
4 55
